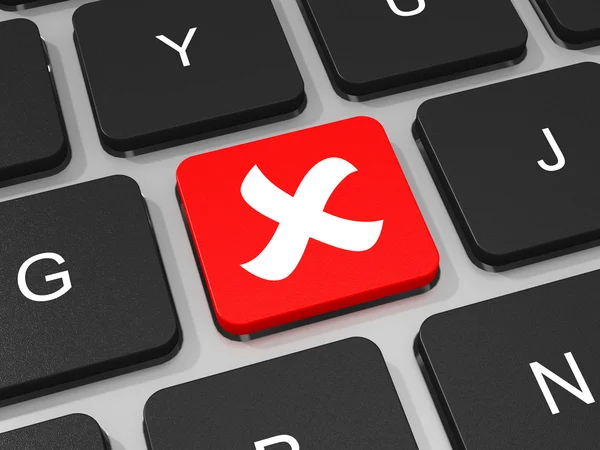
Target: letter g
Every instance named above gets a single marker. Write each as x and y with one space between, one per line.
64 276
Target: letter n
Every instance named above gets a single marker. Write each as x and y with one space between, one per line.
541 373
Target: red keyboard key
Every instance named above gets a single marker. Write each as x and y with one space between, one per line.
303 225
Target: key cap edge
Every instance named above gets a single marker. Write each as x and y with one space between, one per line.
360 91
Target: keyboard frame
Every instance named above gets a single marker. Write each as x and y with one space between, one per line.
117 404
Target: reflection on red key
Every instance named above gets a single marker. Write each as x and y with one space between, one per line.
314 222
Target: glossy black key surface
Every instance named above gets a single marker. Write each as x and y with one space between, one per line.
375 47
520 371
572 23
33 141
337 397
517 164
84 294
188 70
74 432
14 5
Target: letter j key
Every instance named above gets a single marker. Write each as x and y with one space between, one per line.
517 164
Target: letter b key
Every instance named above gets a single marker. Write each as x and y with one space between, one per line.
302 401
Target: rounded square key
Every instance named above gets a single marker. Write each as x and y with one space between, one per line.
517 165
189 69
338 397
74 432
518 371
572 23
84 293
33 139
376 47
302 225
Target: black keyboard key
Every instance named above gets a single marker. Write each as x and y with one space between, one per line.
84 293
74 432
517 164
17 5
519 371
336 397
33 141
375 47
188 70
572 23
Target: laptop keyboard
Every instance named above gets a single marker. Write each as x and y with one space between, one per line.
278 225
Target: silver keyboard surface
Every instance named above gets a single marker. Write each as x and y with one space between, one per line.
117 404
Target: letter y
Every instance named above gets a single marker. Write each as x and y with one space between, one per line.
182 50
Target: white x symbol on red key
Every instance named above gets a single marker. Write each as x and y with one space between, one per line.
301 218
